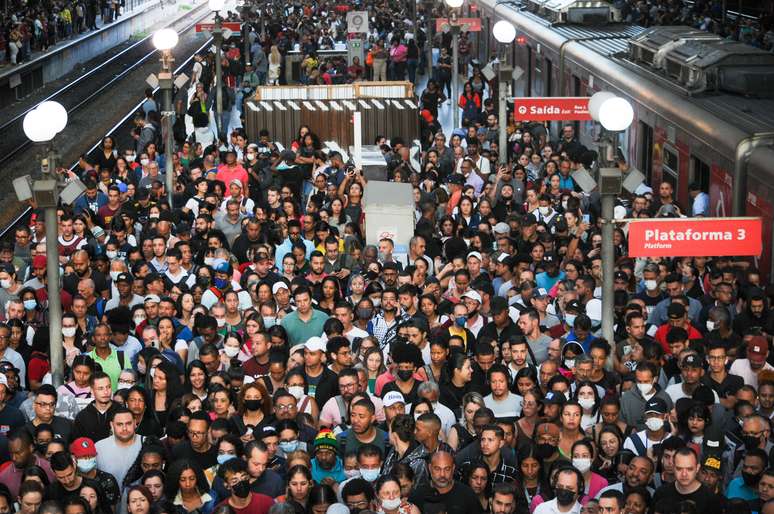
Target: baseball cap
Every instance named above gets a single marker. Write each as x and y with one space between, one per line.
757 349
621 275
553 398
455 178
3 380
98 231
235 182
504 259
712 463
278 285
656 405
260 255
540 293
314 344
573 305
82 448
39 261
473 295
498 305
549 258
477 255
675 310
124 277
704 394
152 298
221 266
392 398
691 361
528 219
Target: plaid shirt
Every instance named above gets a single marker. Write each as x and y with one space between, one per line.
503 474
383 331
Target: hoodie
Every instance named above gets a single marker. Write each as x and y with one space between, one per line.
633 406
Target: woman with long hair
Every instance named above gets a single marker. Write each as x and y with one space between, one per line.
169 344
188 489
275 64
166 387
137 403
79 387
530 416
254 410
587 396
530 471
570 427
583 455
139 500
373 363
463 432
329 295
476 476
299 486
610 442
428 304
196 379
320 498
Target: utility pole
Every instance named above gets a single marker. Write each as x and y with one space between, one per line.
218 36
455 28
56 349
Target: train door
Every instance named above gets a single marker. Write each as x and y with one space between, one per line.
530 73
670 169
700 173
539 66
645 153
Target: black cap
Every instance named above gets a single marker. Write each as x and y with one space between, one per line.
621 275
704 394
553 398
657 405
675 310
574 305
123 277
390 265
455 178
691 361
528 219
166 216
550 258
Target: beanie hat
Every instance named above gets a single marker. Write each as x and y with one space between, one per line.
326 440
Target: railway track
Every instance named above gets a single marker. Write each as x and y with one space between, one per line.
80 97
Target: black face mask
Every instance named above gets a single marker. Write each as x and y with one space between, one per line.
405 374
241 489
253 405
751 480
545 450
564 497
750 441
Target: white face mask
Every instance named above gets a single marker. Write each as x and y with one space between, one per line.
564 205
221 322
391 504
144 162
710 325
569 363
645 389
6 283
651 285
114 274
138 319
111 254
654 424
582 465
586 403
231 351
130 158
297 392
251 157
68 331
544 210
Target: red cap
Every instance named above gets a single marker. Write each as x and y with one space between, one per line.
757 349
83 448
39 261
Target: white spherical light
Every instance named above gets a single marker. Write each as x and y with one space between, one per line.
504 31
616 114
37 128
216 5
165 39
596 101
54 114
454 4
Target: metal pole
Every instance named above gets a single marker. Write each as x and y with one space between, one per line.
56 350
608 266
503 80
429 21
246 42
455 72
169 168
218 33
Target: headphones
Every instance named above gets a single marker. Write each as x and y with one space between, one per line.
578 476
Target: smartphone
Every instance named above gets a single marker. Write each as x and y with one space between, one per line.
586 218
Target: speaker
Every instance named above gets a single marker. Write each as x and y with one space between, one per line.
610 181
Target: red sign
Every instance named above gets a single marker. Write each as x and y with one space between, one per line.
467 24
552 108
695 237
233 26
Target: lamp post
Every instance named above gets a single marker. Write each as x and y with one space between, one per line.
454 26
504 32
165 40
41 125
615 115
216 6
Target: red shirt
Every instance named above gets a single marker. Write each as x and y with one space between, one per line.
226 174
663 330
259 504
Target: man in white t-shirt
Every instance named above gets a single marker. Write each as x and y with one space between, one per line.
748 369
502 401
642 443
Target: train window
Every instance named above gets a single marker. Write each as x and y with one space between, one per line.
528 92
700 173
549 72
646 151
576 86
670 167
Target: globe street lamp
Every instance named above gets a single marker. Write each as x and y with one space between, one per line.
41 125
165 40
216 6
615 114
504 32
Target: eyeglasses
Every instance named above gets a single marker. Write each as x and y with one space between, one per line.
284 407
358 504
46 405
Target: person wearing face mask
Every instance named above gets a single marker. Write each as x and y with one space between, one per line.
688 487
582 457
237 481
388 497
85 454
643 442
746 486
568 487
646 388
406 358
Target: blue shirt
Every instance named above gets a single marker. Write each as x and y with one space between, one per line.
546 282
337 471
738 489
585 343
286 247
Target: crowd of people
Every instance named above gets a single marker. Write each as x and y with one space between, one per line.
244 349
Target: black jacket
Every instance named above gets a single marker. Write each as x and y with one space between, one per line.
93 424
